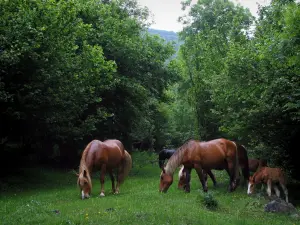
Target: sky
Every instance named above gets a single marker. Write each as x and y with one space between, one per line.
166 12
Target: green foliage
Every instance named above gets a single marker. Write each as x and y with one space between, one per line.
216 24
72 71
244 84
209 201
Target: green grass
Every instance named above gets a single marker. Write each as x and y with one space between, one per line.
43 196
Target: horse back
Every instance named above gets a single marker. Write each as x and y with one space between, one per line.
166 154
273 174
113 142
214 153
256 164
253 164
227 148
109 152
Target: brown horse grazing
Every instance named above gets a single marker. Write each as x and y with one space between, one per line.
255 164
269 176
106 156
243 163
219 153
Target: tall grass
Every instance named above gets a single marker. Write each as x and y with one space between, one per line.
43 196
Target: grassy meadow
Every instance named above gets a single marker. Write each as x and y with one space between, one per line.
48 196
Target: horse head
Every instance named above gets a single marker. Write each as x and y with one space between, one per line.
165 181
84 183
251 185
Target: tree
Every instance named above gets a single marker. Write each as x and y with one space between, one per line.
213 27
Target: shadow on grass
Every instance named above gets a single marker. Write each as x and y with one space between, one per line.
24 179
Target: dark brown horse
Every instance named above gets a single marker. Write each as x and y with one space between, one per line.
219 153
106 156
163 155
255 164
269 176
243 163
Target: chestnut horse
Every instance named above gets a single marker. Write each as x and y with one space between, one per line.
243 163
218 153
269 176
163 155
106 156
255 164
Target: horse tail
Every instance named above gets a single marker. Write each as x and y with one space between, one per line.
127 165
245 170
236 164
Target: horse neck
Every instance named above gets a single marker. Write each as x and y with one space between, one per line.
85 163
174 161
257 177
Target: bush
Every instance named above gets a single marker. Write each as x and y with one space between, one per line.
209 201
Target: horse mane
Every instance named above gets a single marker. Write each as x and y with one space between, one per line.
83 167
176 159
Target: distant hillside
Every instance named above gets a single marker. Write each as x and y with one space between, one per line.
168 36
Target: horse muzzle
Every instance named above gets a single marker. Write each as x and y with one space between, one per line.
84 195
163 190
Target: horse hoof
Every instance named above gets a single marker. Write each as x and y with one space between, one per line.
102 194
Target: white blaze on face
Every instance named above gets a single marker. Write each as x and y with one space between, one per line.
249 188
83 195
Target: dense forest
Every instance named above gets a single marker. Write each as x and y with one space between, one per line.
73 71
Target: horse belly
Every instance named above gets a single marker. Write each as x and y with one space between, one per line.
114 160
213 162
111 159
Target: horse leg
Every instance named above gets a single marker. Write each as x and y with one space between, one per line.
205 176
262 187
119 177
230 172
212 176
199 171
187 182
112 178
269 189
285 192
102 178
277 191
